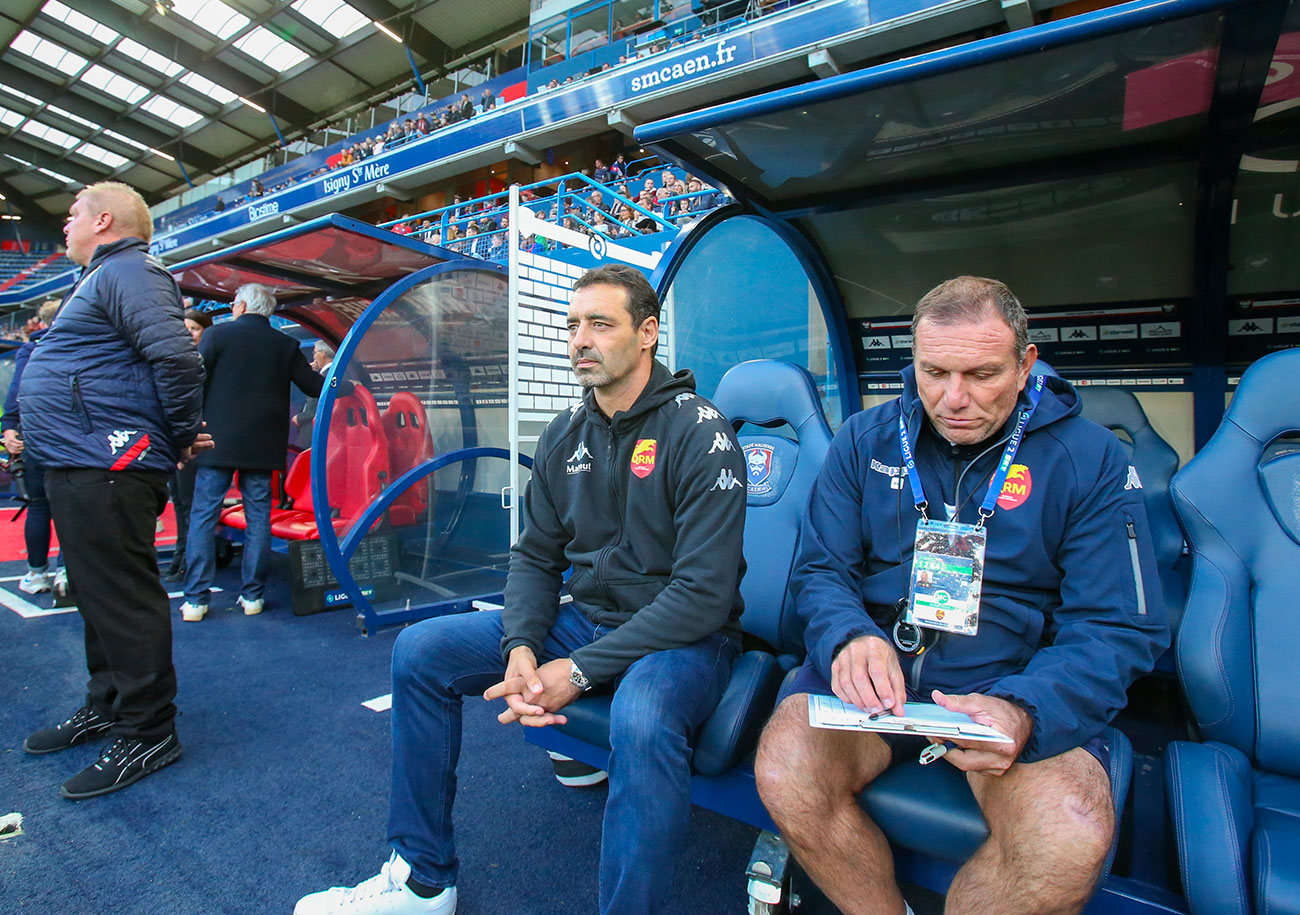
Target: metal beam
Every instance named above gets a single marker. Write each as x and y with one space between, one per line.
419 39
195 58
31 209
41 157
100 114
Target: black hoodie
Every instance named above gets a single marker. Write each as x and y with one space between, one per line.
649 510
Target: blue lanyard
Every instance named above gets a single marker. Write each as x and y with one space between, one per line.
1035 394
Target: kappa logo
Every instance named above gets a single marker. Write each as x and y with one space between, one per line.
118 438
643 457
721 443
580 460
707 413
726 480
1132 482
1019 484
682 398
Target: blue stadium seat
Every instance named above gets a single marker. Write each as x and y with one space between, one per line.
1156 461
780 398
1235 799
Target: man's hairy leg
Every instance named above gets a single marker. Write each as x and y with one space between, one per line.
809 779
1051 824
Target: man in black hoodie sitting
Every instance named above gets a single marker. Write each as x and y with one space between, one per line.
639 488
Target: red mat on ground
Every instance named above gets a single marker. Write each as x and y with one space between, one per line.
13 546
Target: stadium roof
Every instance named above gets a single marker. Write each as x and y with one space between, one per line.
154 93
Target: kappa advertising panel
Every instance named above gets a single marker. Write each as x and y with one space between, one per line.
1112 336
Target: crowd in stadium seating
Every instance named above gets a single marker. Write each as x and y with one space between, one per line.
611 208
402 131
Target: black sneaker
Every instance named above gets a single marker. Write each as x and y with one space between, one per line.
573 774
85 724
127 760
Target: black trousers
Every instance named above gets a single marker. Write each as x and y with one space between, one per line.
105 522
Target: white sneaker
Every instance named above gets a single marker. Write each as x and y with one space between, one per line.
386 893
192 613
36 581
251 607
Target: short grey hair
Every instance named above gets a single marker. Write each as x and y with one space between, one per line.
257 298
965 299
324 349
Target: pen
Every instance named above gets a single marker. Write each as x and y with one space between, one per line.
880 714
936 751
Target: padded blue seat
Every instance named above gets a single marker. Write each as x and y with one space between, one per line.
1235 799
931 810
1156 462
782 398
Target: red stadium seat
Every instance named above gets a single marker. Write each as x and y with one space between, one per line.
409 446
357 462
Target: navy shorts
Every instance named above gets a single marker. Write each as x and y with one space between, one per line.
807 679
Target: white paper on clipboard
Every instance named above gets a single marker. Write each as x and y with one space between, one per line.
923 719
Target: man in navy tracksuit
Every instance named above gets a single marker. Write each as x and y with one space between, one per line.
110 403
639 490
1070 614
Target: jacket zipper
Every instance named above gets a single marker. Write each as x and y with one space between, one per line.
602 559
1137 568
86 426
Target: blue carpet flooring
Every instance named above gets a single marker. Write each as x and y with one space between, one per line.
283 786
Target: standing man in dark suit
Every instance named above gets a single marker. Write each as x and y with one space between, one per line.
249 366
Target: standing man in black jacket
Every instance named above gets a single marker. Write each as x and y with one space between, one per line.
250 365
110 403
639 488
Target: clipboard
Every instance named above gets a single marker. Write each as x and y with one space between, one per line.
923 719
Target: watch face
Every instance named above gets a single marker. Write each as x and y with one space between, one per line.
578 679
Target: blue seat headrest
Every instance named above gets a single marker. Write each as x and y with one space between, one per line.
768 393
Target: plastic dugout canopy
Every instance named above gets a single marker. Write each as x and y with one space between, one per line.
407 500
1063 159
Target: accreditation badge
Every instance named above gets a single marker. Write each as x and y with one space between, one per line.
947 576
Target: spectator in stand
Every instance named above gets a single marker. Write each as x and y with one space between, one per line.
618 168
408 129
181 482
488 101
422 124
36 525
600 173
220 205
345 158
466 107
402 228
250 366
377 146
599 225
597 201
553 84
255 189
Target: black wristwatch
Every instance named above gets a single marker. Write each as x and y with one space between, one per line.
578 678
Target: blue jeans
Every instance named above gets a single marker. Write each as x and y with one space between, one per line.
210 487
659 702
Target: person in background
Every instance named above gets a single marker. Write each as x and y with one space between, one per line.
111 398
181 483
250 366
600 173
322 357
488 102
36 525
